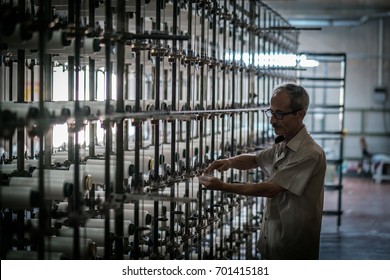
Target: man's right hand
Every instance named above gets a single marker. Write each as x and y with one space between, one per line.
220 165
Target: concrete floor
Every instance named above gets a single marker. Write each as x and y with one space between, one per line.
364 233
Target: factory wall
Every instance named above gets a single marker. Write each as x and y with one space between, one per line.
366 114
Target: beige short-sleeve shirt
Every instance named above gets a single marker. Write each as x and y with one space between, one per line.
292 219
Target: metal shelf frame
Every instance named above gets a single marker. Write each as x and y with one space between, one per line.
327 83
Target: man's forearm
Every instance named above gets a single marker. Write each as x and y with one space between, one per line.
263 189
243 162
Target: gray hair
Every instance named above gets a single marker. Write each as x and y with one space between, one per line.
298 95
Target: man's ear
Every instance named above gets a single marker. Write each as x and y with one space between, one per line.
302 113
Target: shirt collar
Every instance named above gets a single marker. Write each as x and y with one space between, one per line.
294 143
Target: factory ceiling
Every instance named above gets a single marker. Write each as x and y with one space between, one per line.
306 13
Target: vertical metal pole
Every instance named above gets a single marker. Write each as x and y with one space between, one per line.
251 125
71 81
188 130
233 81
267 51
20 130
173 128
119 190
78 121
241 116
32 84
138 96
126 97
92 80
156 126
213 121
20 97
343 64
233 117
107 178
201 125
43 211
48 97
10 98
224 89
10 80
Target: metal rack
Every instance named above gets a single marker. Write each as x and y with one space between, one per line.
154 91
326 85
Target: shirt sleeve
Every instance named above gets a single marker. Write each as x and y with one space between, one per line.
264 160
295 175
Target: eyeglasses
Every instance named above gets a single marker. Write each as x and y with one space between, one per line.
278 114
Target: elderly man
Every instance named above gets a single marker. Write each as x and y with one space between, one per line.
295 166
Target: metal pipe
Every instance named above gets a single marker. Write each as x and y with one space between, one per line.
77 197
188 128
44 215
20 97
20 130
233 117
107 125
92 80
71 81
201 120
32 83
10 98
213 120
119 187
138 132
224 90
156 126
173 126
380 52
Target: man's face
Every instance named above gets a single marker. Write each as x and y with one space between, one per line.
291 123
